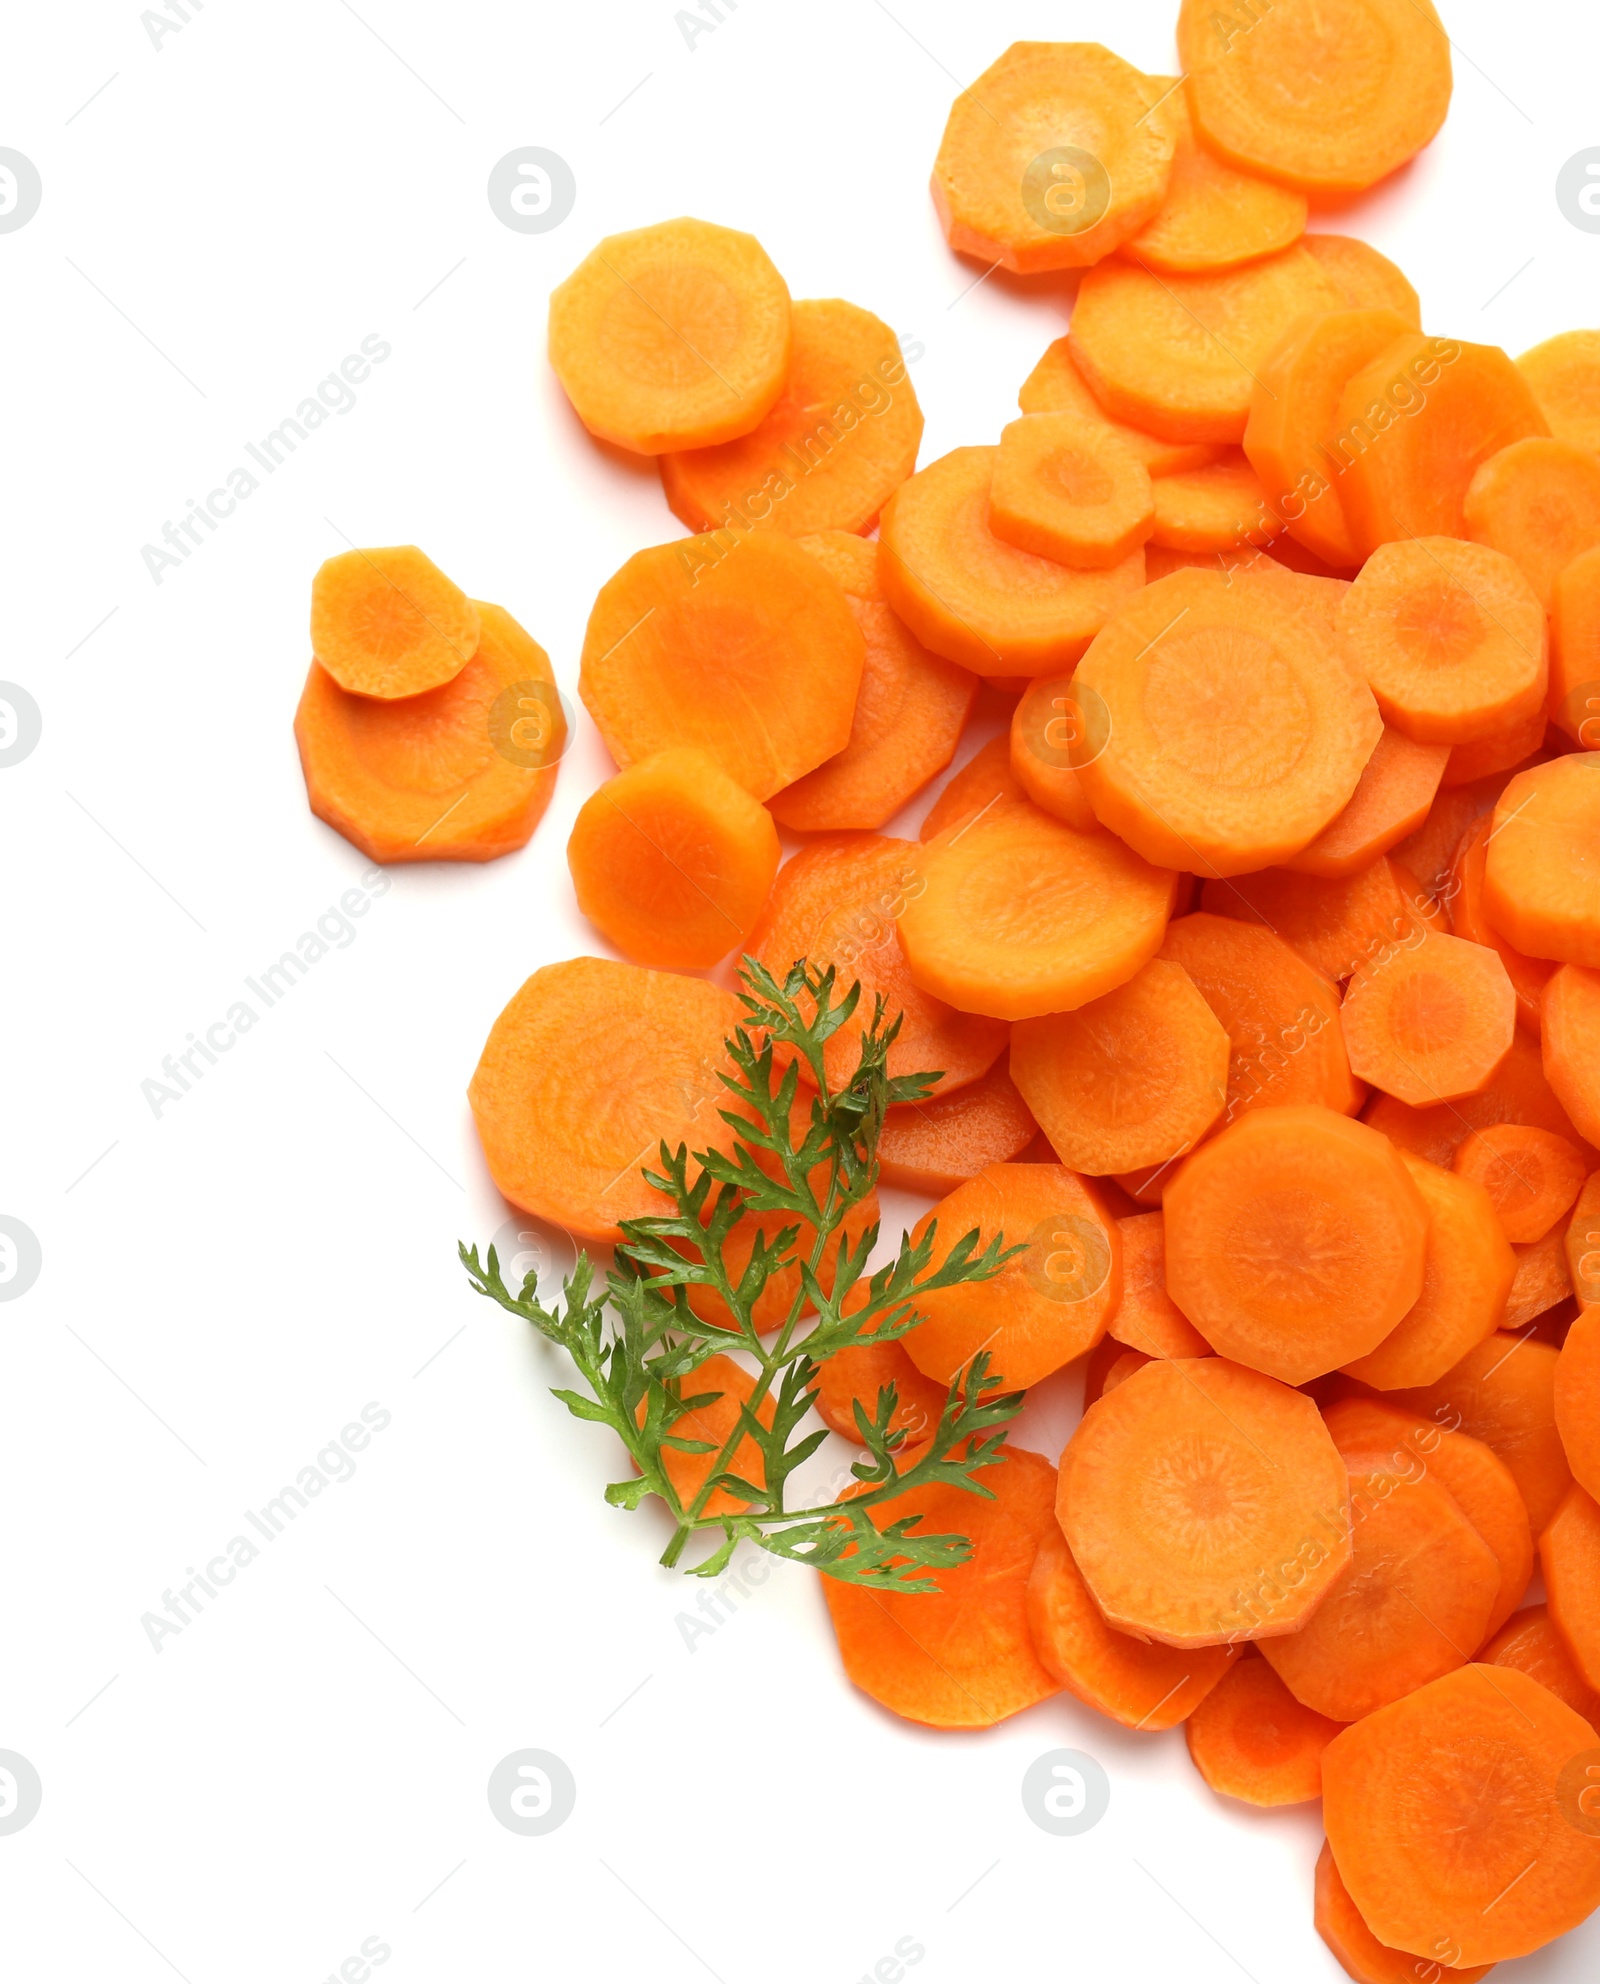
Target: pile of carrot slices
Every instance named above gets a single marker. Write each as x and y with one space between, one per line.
1257 948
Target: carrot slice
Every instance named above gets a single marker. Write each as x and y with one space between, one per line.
1564 373
1529 976
1541 880
748 650
1177 354
1577 1395
861 1372
1047 1305
1413 427
1397 788
1519 1093
1137 1684
972 597
1055 385
1251 1740
1531 1176
388 623
588 1070
1575 651
1235 728
1327 95
1582 1243
961 1657
983 783
1538 501
1532 1643
1430 852
1430 1020
1216 508
1239 1529
1450 637
1022 916
1281 1015
726 1386
1569 1555
909 714
837 903
1052 734
1214 216
936 1145
1516 748
1366 279
1338 926
671 336
1467 1272
1339 1923
1097 1368
463 772
1135 1077
1541 1284
1147 1318
1067 489
1012 187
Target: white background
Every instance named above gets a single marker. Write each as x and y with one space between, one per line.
305 1764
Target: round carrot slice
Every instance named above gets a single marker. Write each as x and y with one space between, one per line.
1541 878
1577 1398
747 649
1214 216
1250 1739
1574 647
463 772
1390 802
586 1073
1055 385
1069 490
1136 1077
1569 1555
1178 354
936 1145
1216 508
1366 279
1531 1176
1046 1306
1338 926
672 336
1147 1319
388 623
1023 916
1358 1951
839 439
837 902
1519 1093
972 597
1327 95
1430 1020
1532 1643
1137 1684
960 1657
1235 728
1056 154
1295 1241
1564 373
984 783
1204 1504
1051 735
1538 501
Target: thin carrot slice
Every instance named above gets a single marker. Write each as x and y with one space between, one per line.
1327 95
1392 800
1250 1739
1066 489
1413 427
1541 878
1538 501
1235 728
1467 1272
1366 279
747 649
1023 916
837 902
1532 1643
1519 1093
1569 1555
1564 373
1147 1318
1516 748
979 601
1047 1305
1281 1015
960 1658
1052 734
1542 1282
726 1387
909 715
1450 637
1532 1176
388 623
463 772
1582 1243
1529 976
1338 926
589 1069
1056 154
1055 385
936 1145
1577 1395
1502 1393
1177 354
1431 1020
983 783
1359 1953
1135 1077
1575 651
1216 508
1137 1684
1214 217
671 336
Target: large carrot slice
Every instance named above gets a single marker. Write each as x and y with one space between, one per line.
387 622
1052 734
1538 501
1338 926
1216 508
1575 651
1250 1739
839 439
1564 373
1235 728
961 1658
984 782
1067 489
1360 1954
1532 1176
972 597
1529 976
1430 1020
1055 385
1046 1306
1214 216
1541 878
1396 791
1532 1642
671 336
745 648
936 1145
1519 1093
463 772
1147 1318
1022 916
1366 279
1569 1555
1056 154
1577 1396
1296 1241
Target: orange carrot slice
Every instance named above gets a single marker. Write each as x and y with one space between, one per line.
1564 373
1541 881
1569 1555
984 782
1532 1643
1068 490
1251 1740
1216 508
1147 1318
1532 1176
1517 748
388 623
1214 216
1431 1020
1055 385
1396 790
1366 279
1052 734
1582 1244
1577 1395
1361 1955
936 1145
1538 501
1575 651
1529 976
1338 926
1519 1093
1541 1283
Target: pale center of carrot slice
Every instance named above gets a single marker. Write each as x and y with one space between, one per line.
1426 1013
671 325
1227 707
1079 477
1438 624
1291 1245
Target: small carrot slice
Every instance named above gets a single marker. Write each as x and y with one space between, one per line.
1450 637
1532 1176
1431 1020
1338 926
1541 1282
1516 748
1011 186
1137 1684
1177 354
1529 976
1047 1305
1147 1318
1577 1396
983 783
387 622
748 650
1564 373
1541 880
1361 1956
1135 1077
1366 279
936 1145
1467 1272
1052 734
1396 790
1251 1740
726 1387
1519 1093
1214 216
1236 729
671 336
1538 501
1055 385
972 597
1066 489
1582 1243
1532 1643
1217 508
1023 916
1569 1555
1575 651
